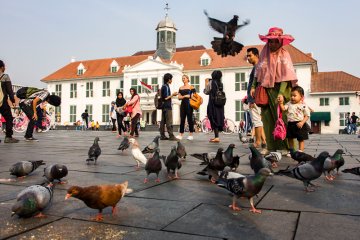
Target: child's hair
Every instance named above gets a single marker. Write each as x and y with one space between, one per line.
298 89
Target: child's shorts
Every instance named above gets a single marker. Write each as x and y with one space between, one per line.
293 131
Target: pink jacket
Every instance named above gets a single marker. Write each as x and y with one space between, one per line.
135 102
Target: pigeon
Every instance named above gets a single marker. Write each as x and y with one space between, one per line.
124 144
335 161
307 172
226 45
242 138
355 170
257 161
55 172
152 146
245 187
172 163
235 163
214 164
24 168
300 156
153 165
94 151
99 197
273 157
32 200
228 155
180 150
137 154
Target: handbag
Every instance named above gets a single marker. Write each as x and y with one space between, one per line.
129 109
195 101
279 132
261 96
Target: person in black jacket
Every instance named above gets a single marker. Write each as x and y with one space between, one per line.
85 118
5 110
120 102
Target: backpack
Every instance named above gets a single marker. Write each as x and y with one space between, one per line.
26 92
220 97
279 132
1 92
158 101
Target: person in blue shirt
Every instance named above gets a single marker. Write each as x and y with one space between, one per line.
166 111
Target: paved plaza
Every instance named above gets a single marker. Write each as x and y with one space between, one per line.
188 208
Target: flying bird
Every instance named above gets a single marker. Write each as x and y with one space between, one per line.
152 146
257 161
332 162
153 165
307 172
226 45
99 197
24 168
94 151
124 144
245 187
55 172
355 170
180 150
32 200
137 154
172 163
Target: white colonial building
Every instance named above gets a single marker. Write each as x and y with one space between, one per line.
93 84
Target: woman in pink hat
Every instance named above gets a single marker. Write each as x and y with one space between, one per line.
274 72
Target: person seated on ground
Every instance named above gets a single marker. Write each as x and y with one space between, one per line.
97 126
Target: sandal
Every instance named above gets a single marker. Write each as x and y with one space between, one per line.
215 140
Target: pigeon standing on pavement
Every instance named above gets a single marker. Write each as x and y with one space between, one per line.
226 45
124 144
137 154
172 163
153 165
257 161
99 197
180 150
214 164
355 170
24 168
274 158
300 156
94 151
31 200
55 172
245 187
332 162
152 146
307 172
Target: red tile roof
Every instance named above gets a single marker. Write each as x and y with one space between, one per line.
334 82
189 58
151 52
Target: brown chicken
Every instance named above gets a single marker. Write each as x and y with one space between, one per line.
99 197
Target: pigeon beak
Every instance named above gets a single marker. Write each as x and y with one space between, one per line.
67 196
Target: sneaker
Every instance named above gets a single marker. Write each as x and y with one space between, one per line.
39 130
164 138
10 140
179 137
31 139
190 138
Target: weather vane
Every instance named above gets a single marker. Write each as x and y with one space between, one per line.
167 9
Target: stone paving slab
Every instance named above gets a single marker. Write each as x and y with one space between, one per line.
328 226
72 229
220 221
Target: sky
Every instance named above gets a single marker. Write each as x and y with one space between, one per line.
39 37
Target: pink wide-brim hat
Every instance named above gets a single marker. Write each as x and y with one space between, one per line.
277 33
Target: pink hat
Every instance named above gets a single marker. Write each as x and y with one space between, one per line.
277 33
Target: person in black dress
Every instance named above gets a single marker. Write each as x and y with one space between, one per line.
120 102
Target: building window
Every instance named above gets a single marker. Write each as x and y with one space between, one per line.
114 69
344 101
80 71
168 36
162 36
58 114
327 123
238 110
122 85
72 113
174 37
134 84
342 118
73 90
154 84
324 101
143 88
195 81
106 89
204 62
89 108
240 83
58 90
89 89
105 113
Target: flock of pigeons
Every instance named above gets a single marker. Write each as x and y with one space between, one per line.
220 167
